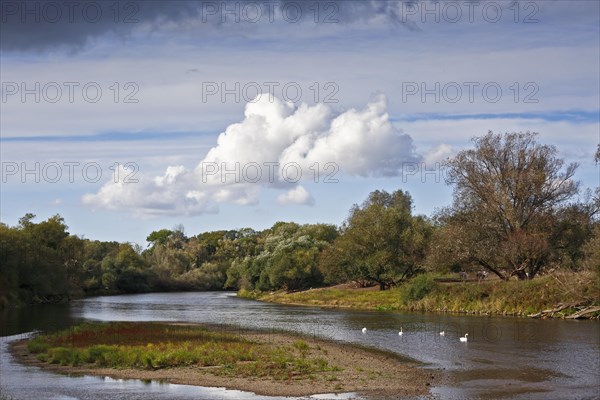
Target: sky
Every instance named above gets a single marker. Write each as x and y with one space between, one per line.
133 116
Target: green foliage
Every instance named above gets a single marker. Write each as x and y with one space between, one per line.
36 345
209 276
35 261
380 242
419 287
285 256
154 346
511 215
512 297
41 262
301 345
133 280
159 237
591 251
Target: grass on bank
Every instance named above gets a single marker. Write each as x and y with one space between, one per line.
424 293
151 346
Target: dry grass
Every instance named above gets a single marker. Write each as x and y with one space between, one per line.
266 363
423 293
152 346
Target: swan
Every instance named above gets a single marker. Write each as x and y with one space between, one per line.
443 333
464 338
364 330
400 333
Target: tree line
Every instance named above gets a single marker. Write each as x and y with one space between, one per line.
517 211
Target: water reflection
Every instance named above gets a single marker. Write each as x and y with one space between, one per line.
31 383
46 317
504 357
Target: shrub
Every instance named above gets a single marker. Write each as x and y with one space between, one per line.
419 287
61 355
100 354
37 346
301 345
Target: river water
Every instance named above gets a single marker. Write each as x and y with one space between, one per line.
503 358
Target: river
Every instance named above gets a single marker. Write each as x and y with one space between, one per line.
504 358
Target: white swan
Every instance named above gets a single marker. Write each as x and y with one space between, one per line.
364 330
464 338
400 333
443 333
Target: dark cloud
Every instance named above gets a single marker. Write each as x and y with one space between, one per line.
39 25
49 25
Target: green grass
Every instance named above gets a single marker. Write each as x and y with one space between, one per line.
424 293
301 345
151 346
388 299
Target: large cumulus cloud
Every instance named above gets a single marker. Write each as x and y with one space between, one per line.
277 146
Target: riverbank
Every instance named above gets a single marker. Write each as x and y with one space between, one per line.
266 363
551 296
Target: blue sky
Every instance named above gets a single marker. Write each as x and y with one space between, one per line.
379 89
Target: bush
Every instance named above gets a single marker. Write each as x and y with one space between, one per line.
301 345
37 346
419 287
100 355
61 355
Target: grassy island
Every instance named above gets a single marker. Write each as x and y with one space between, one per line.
269 363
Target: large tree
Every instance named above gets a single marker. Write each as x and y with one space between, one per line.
38 261
381 241
508 191
285 256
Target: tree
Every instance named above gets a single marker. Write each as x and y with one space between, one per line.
572 227
25 220
507 193
595 197
292 263
591 252
380 242
12 249
591 249
38 261
159 237
283 256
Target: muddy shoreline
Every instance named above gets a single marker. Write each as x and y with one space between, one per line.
369 372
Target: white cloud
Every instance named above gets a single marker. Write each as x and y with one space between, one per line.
298 195
439 154
169 194
276 145
359 142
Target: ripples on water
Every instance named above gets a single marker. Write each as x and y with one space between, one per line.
504 358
